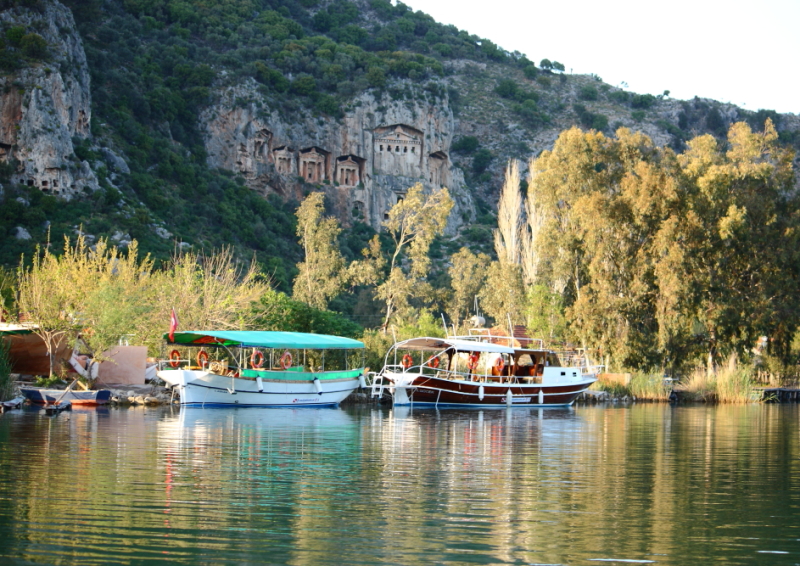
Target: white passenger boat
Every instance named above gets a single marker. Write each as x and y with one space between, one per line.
262 369
481 370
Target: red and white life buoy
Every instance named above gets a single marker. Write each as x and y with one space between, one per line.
257 359
472 362
202 358
286 360
174 358
434 362
408 361
500 364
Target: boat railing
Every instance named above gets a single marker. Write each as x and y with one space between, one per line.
592 370
485 376
485 337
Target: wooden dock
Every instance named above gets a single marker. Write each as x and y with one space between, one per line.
779 394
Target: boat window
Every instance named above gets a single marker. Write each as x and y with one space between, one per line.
525 360
552 359
336 360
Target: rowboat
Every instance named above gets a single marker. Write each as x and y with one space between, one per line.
482 371
41 396
261 368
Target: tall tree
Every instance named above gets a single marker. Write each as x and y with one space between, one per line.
503 292
668 255
413 223
510 217
467 275
321 275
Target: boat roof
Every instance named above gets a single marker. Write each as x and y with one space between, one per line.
10 329
263 339
428 343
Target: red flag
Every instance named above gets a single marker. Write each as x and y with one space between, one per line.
173 325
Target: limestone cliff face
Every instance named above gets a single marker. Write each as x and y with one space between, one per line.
45 105
364 162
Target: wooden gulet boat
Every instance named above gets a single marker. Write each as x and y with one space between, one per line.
261 368
481 371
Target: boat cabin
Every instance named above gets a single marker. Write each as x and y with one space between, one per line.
267 355
470 360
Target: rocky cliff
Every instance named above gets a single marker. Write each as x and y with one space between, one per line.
46 104
365 162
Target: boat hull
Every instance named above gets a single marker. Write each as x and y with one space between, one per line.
44 396
432 391
204 389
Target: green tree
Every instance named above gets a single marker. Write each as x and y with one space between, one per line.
413 223
320 275
503 292
467 274
34 46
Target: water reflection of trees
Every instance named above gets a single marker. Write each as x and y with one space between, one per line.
396 486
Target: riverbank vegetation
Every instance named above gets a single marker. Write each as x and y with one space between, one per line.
646 257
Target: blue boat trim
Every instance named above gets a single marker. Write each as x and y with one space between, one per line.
196 384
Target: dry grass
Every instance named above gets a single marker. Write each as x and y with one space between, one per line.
731 384
642 387
650 387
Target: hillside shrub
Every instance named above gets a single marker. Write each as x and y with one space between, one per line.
588 92
643 101
481 161
589 119
465 144
34 46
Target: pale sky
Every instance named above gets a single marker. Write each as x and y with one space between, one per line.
743 52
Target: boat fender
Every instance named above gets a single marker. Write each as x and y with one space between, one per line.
541 396
362 383
509 398
93 369
260 385
318 385
480 393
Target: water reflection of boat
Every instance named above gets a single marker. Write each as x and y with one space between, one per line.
262 369
254 432
480 370
278 418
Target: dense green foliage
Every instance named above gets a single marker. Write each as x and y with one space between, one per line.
672 258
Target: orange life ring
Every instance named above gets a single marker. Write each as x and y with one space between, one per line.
257 359
434 363
407 361
174 358
500 364
202 358
472 362
286 359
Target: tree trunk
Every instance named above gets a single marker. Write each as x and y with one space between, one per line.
712 353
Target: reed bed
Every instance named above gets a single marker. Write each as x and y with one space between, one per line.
650 387
732 383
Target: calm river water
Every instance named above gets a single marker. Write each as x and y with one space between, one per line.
587 485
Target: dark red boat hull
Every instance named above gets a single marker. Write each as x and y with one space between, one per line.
434 391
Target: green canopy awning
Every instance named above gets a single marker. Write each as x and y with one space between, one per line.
263 339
